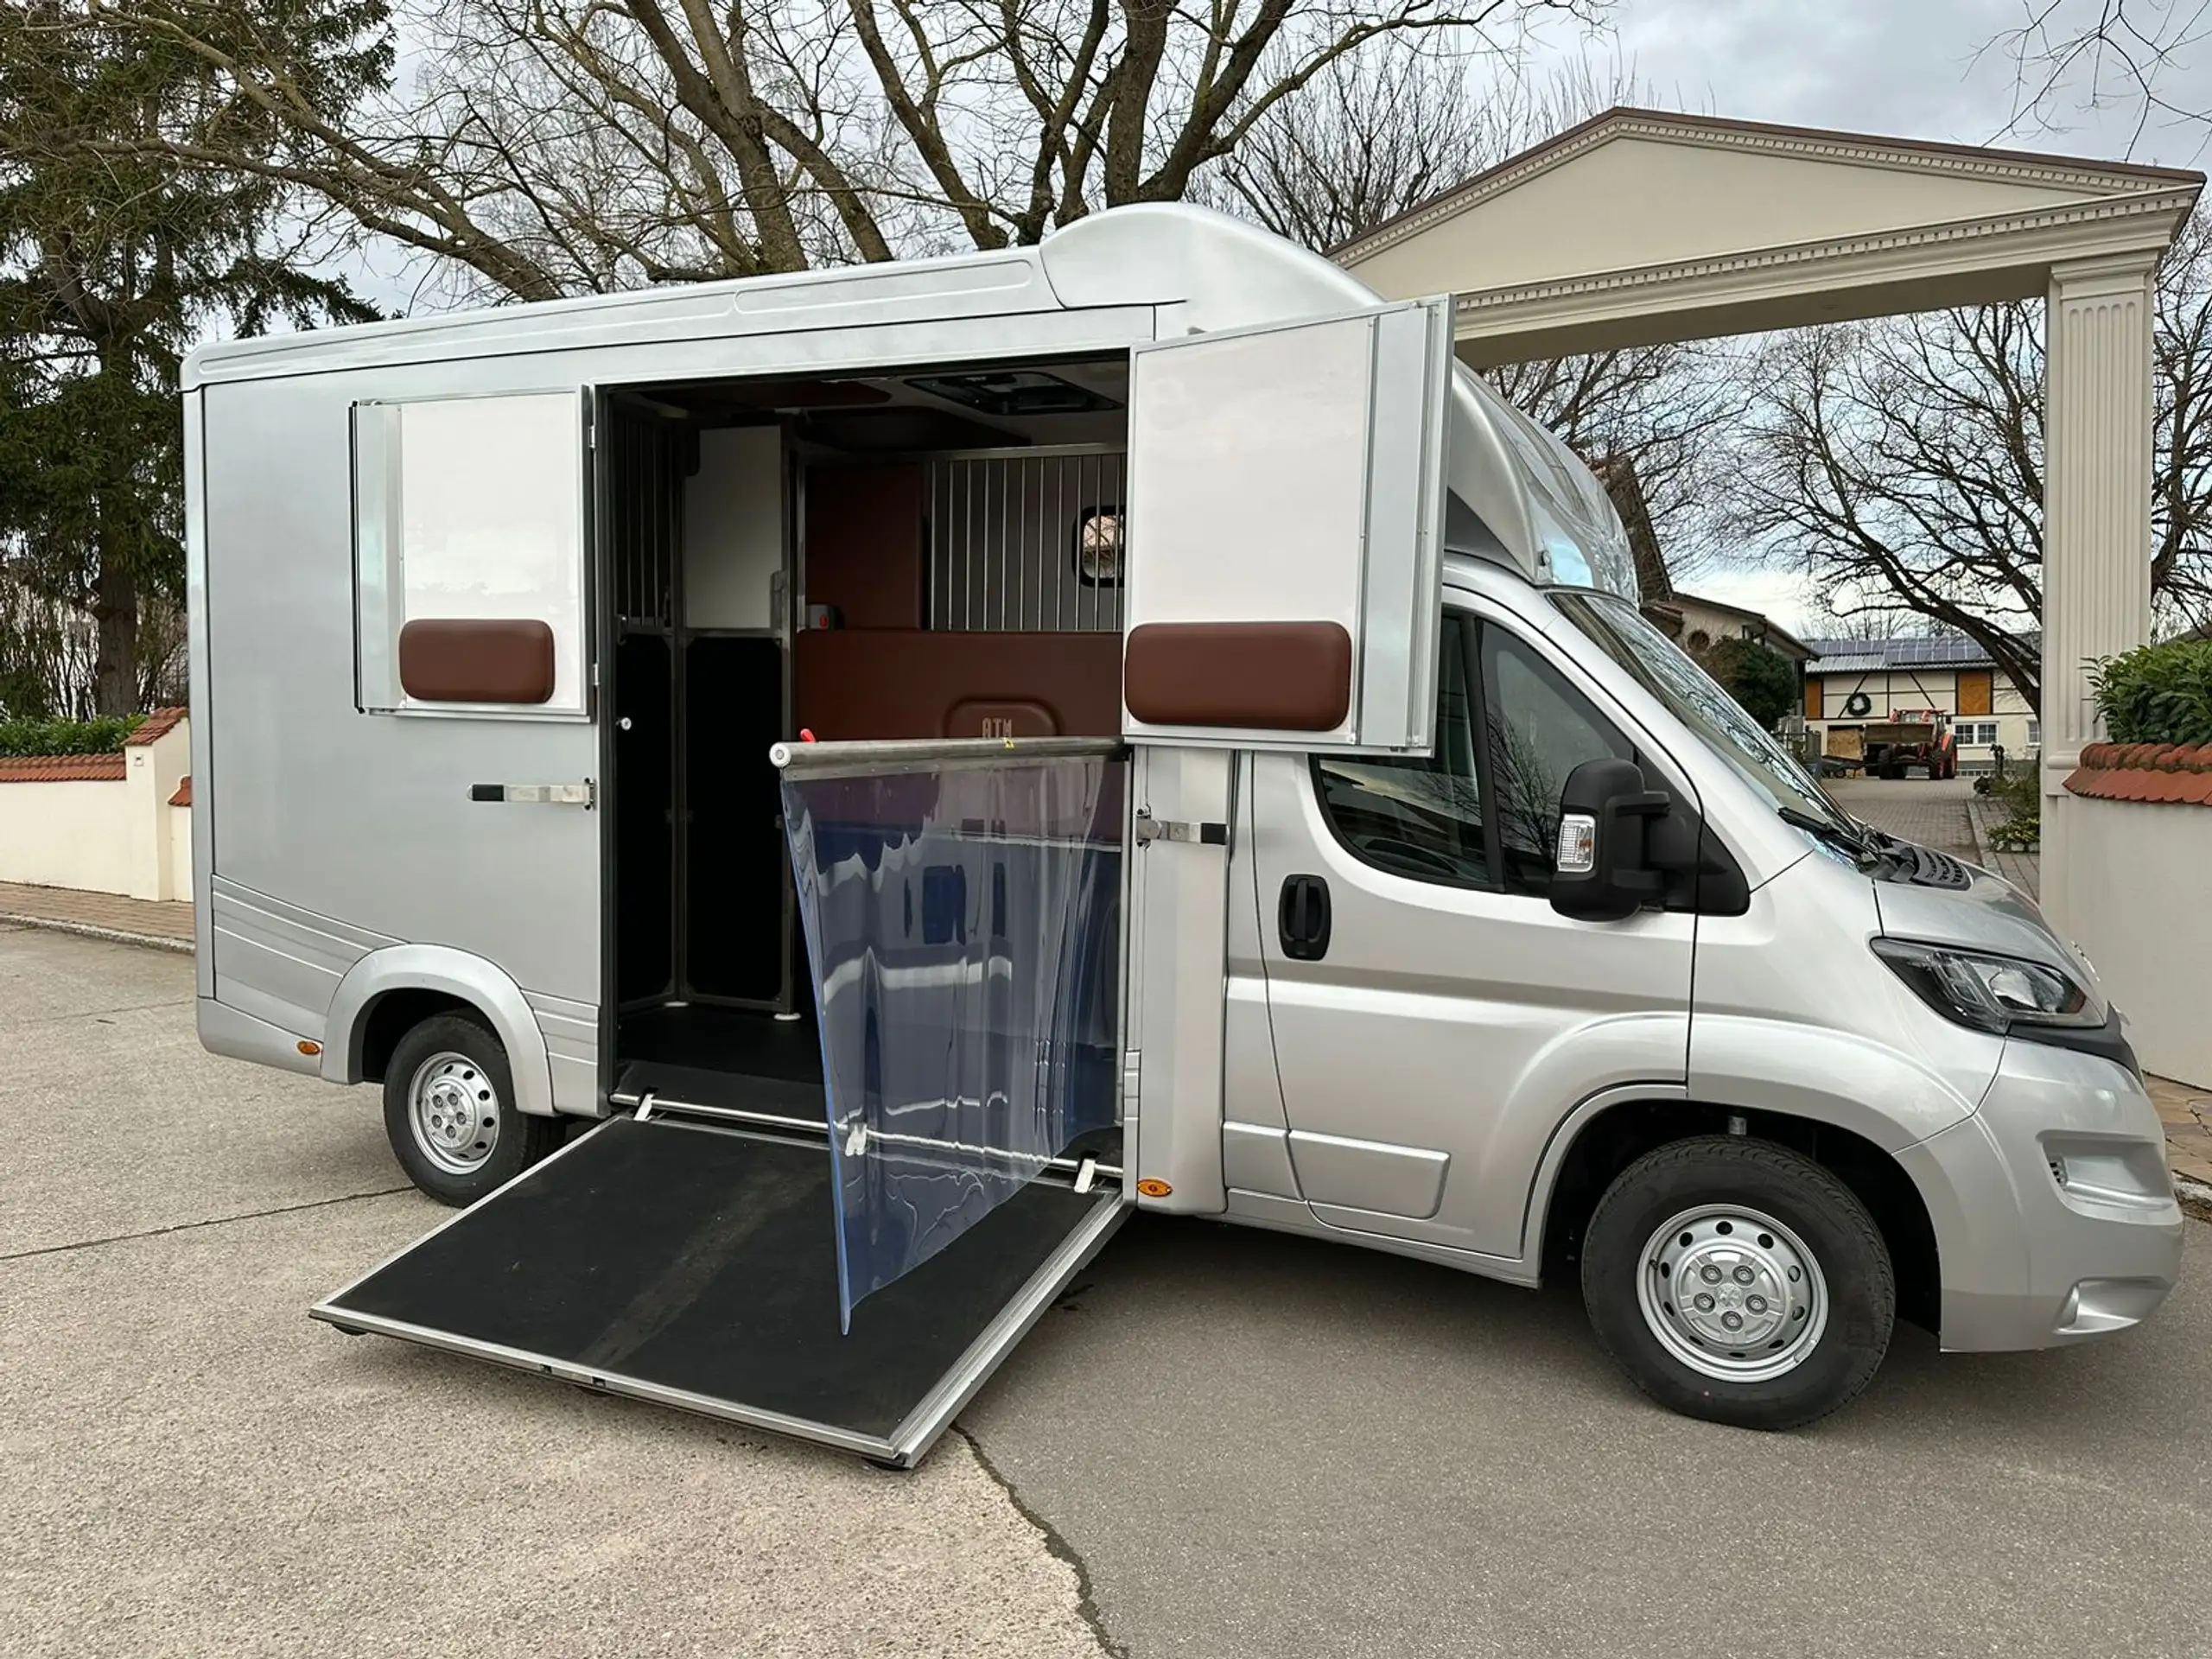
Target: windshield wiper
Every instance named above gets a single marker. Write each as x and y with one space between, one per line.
1860 846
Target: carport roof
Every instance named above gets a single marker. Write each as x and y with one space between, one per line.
1640 226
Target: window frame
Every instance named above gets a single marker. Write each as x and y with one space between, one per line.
1486 663
1460 629
1472 629
379 572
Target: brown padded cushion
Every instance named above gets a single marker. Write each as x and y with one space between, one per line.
884 682
468 659
1290 676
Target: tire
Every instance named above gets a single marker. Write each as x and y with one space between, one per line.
1813 1337
449 1065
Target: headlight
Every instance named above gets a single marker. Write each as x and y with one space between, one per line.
1990 993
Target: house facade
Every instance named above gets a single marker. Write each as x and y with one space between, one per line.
1857 682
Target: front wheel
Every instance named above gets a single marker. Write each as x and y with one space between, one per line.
449 1111
1739 1281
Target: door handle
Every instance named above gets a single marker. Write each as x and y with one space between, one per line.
1302 917
585 794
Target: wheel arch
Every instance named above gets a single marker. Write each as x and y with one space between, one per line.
390 990
1612 1131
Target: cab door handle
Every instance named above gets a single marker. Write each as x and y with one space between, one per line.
1302 917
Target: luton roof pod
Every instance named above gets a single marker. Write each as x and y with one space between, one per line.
846 1250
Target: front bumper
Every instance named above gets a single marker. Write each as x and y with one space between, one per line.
2054 1214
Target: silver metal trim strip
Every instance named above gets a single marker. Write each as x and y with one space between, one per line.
614 1382
913 1437
906 754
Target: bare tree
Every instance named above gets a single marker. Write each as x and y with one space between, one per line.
2076 57
1380 133
557 146
1903 462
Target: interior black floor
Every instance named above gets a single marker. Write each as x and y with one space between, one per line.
707 1261
708 1039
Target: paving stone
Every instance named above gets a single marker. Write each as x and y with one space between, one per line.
95 912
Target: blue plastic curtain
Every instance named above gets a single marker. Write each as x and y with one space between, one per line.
963 926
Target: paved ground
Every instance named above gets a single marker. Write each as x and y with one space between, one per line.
1251 1445
99 914
1933 814
191 1466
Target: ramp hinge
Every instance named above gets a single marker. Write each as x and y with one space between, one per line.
645 1106
1149 830
1086 1173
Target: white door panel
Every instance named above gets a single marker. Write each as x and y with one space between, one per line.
1286 477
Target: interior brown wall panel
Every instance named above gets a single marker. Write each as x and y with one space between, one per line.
848 685
864 543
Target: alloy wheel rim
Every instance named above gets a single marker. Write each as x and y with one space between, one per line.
453 1112
1732 1294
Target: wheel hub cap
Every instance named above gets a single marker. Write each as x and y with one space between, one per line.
455 1113
1732 1294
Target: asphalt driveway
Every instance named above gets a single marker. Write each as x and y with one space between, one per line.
1221 1443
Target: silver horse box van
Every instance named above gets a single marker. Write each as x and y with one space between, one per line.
814 797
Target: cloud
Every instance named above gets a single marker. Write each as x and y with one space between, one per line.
1903 68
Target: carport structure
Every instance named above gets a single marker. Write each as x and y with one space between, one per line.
1640 227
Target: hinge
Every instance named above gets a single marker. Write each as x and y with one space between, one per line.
1149 830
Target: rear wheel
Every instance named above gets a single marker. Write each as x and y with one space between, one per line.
1739 1281
449 1111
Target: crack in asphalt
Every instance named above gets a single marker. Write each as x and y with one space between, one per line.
96 1013
1086 1605
193 1226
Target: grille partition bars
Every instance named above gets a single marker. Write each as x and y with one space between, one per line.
1005 532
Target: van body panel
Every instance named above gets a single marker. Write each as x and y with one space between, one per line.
1337 1172
229 1031
480 983
278 961
2032 1260
1793 1006
1256 1157
1452 1020
1181 898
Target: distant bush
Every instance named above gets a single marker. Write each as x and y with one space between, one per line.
2020 792
2159 694
105 735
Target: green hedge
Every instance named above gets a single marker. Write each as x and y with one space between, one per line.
2159 694
105 735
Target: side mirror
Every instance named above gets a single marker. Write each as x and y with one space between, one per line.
1603 868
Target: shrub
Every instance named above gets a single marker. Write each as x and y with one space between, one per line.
2158 694
2020 793
105 735
1759 678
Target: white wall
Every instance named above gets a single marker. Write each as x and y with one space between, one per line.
119 836
2142 914
75 834
733 528
180 851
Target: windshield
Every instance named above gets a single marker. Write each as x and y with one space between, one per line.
1693 698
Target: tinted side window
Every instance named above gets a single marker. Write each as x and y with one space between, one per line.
1420 817
1540 728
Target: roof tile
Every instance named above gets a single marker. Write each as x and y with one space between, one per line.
155 727
61 769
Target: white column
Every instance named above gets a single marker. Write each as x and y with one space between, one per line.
2096 572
